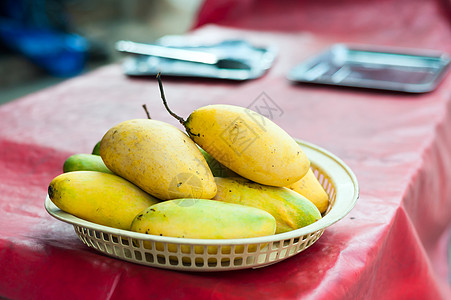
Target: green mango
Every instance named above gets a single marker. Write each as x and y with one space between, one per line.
85 162
96 151
218 169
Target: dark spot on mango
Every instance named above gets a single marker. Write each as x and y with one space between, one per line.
139 217
51 192
161 234
179 184
152 209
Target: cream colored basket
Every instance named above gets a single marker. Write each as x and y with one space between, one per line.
229 254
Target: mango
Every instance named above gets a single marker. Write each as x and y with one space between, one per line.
159 158
218 169
101 198
85 162
248 143
95 150
310 188
203 219
290 209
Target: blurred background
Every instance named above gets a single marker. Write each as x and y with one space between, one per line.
43 42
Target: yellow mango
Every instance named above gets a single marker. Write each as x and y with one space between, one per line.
85 162
290 209
98 197
310 188
203 219
159 158
248 143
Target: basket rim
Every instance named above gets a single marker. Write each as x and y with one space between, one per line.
344 180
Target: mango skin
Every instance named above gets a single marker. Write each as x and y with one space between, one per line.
85 162
96 148
290 209
310 188
204 219
218 169
159 158
248 143
101 198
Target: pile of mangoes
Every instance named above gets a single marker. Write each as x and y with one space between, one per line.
235 174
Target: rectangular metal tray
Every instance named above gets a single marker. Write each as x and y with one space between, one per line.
403 70
259 59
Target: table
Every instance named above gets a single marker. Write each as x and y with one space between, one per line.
393 244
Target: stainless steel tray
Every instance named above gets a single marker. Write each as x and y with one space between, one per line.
403 70
258 60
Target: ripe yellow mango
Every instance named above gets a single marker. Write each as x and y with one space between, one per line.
310 188
248 143
85 162
203 219
159 158
101 198
290 209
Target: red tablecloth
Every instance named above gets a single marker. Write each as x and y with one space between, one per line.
393 244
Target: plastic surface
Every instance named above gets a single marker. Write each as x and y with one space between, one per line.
227 254
392 245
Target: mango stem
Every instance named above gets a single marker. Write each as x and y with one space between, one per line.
180 119
147 112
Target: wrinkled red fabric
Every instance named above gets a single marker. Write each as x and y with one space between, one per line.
392 245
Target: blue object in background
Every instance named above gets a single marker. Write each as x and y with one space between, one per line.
26 29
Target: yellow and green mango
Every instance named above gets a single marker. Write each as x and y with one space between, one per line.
203 219
290 209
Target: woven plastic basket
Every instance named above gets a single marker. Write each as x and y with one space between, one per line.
227 254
